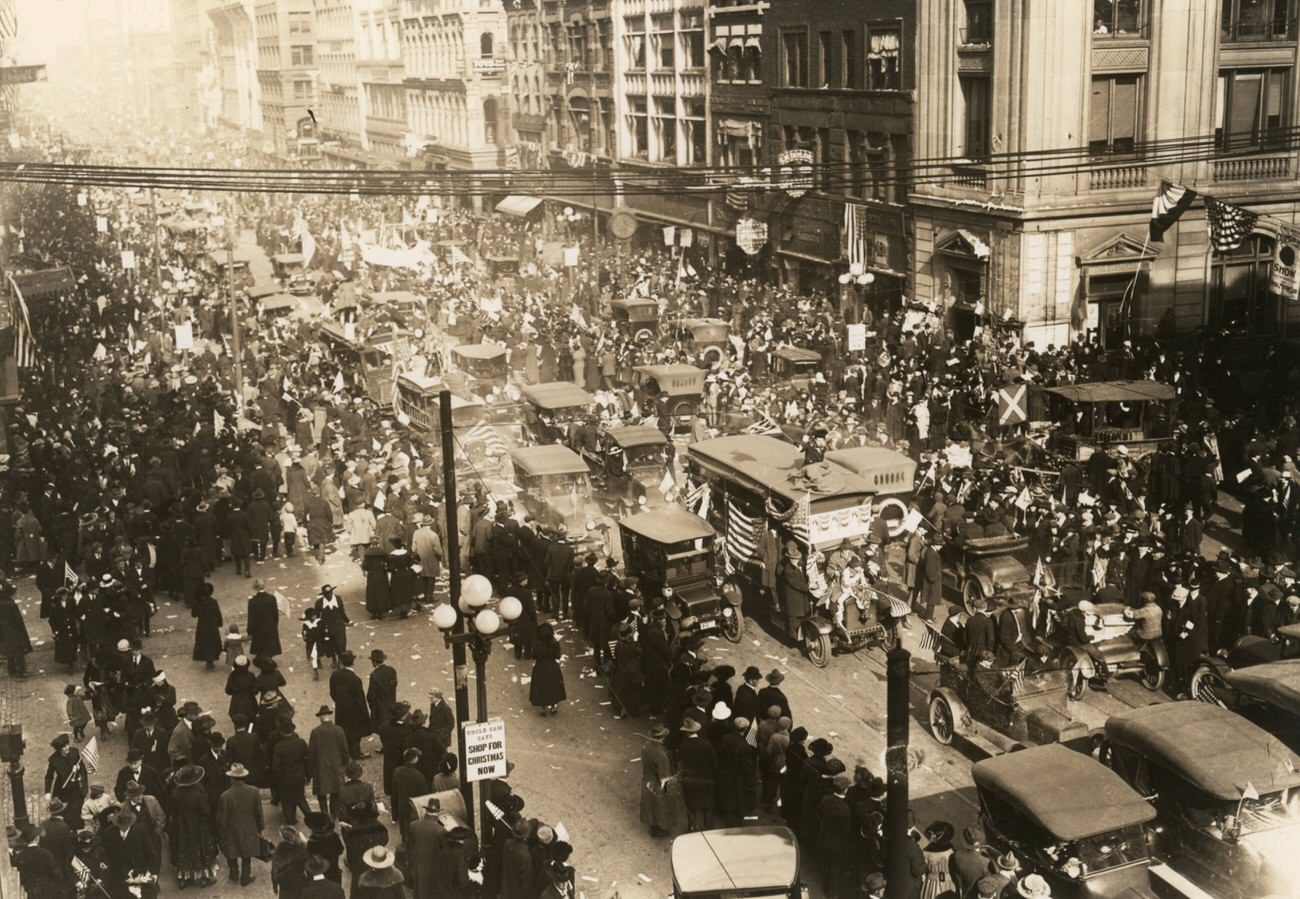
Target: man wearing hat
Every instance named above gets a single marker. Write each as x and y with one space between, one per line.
289 772
697 773
408 782
319 885
381 880
182 741
381 691
745 703
263 622
136 769
659 804
39 872
240 823
327 760
349 697
427 546
873 885
128 849
969 861
773 695
833 825
1185 630
66 778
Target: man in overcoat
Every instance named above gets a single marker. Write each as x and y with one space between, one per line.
327 760
381 692
349 697
263 622
240 823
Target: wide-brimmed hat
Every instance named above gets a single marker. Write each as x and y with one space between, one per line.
318 821
775 677
721 711
237 770
189 707
315 865
690 726
57 806
1006 862
658 732
1034 886
323 711
379 857
188 776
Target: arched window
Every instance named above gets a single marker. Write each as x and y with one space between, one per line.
490 120
1240 299
485 45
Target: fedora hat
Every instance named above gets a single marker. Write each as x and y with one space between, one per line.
315 866
690 726
188 776
237 771
378 857
323 711
1034 886
377 655
123 818
658 732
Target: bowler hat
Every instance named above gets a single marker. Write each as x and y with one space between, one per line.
377 655
323 711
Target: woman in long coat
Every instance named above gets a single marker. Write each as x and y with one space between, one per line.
207 630
401 581
241 687
297 485
190 833
547 688
14 642
334 623
629 679
374 562
661 798
29 539
192 570
65 626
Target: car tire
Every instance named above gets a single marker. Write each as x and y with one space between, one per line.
1075 682
817 645
970 591
1208 685
943 721
733 625
1153 673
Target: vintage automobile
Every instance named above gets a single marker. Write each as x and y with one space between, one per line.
987 567
371 358
795 365
671 551
757 483
483 365
418 399
737 862
1209 681
1135 414
243 277
674 391
635 456
707 339
887 474
553 485
290 269
550 408
1226 794
501 266
1002 708
1117 656
1068 818
637 317
1267 694
401 306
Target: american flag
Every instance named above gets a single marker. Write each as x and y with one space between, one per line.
1016 678
304 236
90 755
930 638
69 575
487 435
24 342
742 535
799 520
857 240
282 604
765 425
84 877
1170 203
1229 225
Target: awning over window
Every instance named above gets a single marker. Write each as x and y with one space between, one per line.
735 127
719 45
518 205
754 42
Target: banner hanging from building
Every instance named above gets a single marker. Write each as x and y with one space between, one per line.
1284 276
751 235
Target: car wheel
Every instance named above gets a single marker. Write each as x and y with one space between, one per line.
943 724
818 646
1153 673
1075 682
889 638
1207 685
733 625
1099 748
970 591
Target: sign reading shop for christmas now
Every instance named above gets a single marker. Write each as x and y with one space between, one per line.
485 750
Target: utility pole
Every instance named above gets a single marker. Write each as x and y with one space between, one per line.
157 248
460 672
236 346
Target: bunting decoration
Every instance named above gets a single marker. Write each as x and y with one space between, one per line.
1229 225
1172 201
742 535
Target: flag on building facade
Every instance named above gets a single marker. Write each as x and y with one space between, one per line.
1170 203
1229 225
857 240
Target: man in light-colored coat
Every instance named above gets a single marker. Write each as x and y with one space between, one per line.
427 546
327 760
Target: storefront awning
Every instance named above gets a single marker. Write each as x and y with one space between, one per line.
519 206
736 127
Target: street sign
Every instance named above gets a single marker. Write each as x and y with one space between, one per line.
485 749
857 338
1012 404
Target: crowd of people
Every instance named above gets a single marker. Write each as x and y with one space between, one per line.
134 471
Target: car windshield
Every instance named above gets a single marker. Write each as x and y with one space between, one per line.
1270 811
684 565
645 455
1112 850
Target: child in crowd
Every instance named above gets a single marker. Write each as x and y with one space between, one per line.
75 707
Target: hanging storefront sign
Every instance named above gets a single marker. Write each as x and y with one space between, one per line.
796 171
1284 276
751 235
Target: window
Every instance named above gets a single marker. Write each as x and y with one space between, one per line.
794 58
1250 110
849 60
975 133
485 45
301 54
751 65
1118 18
979 22
634 41
665 48
825 59
666 126
302 90
1115 113
883 69
1257 20
300 23
692 34
868 154
637 127
490 120
1240 299
694 137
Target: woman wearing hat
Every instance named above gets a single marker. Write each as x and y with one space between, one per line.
14 642
65 778
334 622
661 798
289 864
207 632
241 687
193 844
546 691
937 882
381 879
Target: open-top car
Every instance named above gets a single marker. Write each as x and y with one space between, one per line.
1000 708
674 391
736 862
1068 818
1226 793
671 552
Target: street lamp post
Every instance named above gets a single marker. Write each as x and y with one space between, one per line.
473 623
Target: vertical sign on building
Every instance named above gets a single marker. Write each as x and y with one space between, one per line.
1284 276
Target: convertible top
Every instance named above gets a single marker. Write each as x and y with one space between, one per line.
1066 793
548 459
558 395
479 350
1116 392
1276 683
668 525
1213 749
740 859
637 435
